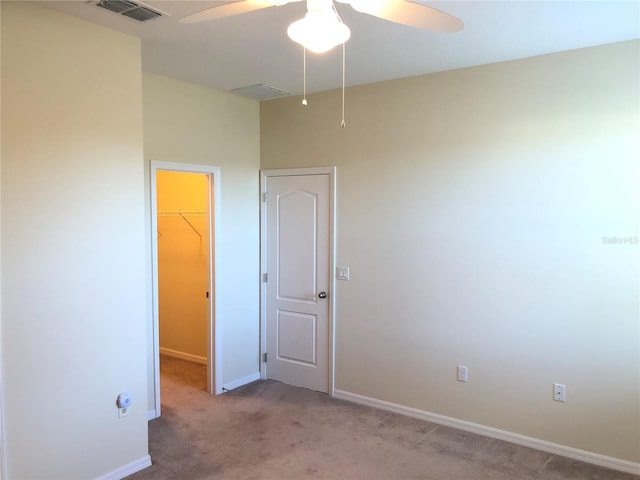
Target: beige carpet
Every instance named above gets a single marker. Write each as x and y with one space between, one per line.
268 430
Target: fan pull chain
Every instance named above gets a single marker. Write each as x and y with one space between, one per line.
304 77
344 68
344 65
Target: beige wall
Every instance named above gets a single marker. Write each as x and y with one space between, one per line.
472 207
185 123
183 263
73 251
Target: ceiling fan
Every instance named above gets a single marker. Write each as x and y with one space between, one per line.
323 16
322 28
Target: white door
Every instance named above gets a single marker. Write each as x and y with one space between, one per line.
297 290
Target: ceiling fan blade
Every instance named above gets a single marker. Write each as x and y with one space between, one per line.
231 9
409 13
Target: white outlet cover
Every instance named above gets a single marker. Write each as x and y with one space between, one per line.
463 373
559 392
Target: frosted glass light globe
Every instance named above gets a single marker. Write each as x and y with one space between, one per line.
319 31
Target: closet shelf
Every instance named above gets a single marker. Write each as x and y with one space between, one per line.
181 213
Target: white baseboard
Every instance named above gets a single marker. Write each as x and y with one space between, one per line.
183 355
128 469
241 381
151 414
557 449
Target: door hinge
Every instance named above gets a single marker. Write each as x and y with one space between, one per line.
264 278
264 357
264 197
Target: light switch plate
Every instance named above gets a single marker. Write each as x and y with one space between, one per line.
342 273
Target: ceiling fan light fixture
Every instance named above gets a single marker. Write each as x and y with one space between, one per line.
319 31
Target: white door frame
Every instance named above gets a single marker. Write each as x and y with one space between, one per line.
264 175
214 339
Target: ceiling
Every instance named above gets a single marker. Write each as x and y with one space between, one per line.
253 48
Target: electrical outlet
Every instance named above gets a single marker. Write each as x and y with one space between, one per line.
123 402
559 392
463 373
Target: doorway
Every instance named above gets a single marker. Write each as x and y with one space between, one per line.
297 306
184 201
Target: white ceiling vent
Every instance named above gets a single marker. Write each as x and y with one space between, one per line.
134 10
260 92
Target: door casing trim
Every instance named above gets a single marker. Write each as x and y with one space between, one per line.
214 337
264 175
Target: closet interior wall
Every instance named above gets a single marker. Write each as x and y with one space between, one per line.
183 274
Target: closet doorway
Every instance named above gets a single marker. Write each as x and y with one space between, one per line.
184 199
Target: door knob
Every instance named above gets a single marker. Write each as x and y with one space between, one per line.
322 295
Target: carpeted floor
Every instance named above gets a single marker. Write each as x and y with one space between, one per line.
268 430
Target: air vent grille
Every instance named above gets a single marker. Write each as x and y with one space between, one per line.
129 9
117 6
260 92
141 14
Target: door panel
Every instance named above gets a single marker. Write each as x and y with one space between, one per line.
297 245
297 320
296 340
